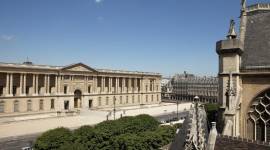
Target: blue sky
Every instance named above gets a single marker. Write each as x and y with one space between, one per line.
166 36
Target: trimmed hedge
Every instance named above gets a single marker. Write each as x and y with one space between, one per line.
127 133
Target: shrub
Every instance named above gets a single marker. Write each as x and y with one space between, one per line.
211 111
54 139
127 142
128 133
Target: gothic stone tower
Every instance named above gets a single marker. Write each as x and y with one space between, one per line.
244 75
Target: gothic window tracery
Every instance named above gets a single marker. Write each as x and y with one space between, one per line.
259 118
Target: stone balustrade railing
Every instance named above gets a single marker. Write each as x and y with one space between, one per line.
258 7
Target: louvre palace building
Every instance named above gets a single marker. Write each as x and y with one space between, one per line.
184 87
28 88
244 75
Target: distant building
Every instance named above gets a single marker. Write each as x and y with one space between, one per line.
184 87
28 88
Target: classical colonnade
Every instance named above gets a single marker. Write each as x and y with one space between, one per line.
22 84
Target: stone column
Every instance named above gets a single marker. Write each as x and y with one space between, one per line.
37 92
94 84
21 84
7 85
154 86
110 85
34 85
129 85
85 85
59 84
56 84
11 84
116 85
48 87
102 84
141 85
45 84
123 84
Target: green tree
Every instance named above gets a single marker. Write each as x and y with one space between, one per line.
128 133
211 111
127 142
54 139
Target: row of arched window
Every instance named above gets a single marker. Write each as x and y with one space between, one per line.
16 105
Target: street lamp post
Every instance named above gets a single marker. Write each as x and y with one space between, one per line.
177 102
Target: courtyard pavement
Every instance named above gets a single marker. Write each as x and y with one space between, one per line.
86 117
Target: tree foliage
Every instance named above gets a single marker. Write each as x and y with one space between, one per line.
211 111
54 139
128 133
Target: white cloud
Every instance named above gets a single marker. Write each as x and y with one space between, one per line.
7 37
98 1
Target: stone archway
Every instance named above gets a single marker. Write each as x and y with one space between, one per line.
77 98
258 121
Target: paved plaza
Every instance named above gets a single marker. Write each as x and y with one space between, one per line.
86 117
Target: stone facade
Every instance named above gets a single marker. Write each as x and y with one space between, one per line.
27 88
244 76
184 87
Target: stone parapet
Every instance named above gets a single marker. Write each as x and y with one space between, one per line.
229 46
232 143
257 7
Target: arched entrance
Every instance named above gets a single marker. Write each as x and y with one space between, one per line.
258 122
77 98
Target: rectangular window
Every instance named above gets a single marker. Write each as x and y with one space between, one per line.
157 98
106 82
27 90
99 101
120 82
2 106
107 100
146 88
152 98
66 105
151 85
52 103
138 84
121 101
29 105
39 89
16 106
66 77
41 107
90 78
14 90
89 89
1 90
127 99
146 98
99 81
65 89
113 82
126 82
132 83
133 99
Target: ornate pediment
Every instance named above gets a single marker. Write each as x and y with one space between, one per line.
79 67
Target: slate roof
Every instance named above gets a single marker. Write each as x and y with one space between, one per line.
257 38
